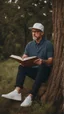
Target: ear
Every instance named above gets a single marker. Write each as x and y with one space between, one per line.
42 33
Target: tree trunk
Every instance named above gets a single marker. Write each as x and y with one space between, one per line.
55 89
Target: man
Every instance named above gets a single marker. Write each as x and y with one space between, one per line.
43 49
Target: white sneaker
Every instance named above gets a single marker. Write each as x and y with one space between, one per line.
14 95
27 102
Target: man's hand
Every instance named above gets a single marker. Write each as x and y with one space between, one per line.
38 61
24 56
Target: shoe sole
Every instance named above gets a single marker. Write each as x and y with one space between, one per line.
25 106
11 98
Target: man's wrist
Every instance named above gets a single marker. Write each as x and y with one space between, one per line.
43 61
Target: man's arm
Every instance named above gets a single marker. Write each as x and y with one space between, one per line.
49 61
39 61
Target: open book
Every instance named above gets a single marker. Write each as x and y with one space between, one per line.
29 61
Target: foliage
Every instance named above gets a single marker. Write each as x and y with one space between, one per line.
15 18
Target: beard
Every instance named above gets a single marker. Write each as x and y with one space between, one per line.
34 38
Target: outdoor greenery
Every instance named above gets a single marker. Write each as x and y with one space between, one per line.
16 18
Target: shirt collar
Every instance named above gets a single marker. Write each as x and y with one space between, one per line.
41 42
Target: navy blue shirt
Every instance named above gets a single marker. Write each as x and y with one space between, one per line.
43 50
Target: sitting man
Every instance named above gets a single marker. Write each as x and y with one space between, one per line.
43 49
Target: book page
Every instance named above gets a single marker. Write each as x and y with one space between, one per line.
22 59
28 58
16 57
29 61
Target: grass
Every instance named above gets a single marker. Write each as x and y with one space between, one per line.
8 72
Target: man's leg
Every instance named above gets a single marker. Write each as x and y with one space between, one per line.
41 77
22 73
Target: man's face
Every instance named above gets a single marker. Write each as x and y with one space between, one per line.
37 34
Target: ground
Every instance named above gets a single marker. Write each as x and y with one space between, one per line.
8 71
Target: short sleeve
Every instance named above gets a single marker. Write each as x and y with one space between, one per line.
50 50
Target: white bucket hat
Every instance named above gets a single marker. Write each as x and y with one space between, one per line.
38 26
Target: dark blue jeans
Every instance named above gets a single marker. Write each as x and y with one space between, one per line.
40 75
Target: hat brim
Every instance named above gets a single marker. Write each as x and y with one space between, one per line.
34 28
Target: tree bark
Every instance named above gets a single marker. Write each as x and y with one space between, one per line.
55 89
